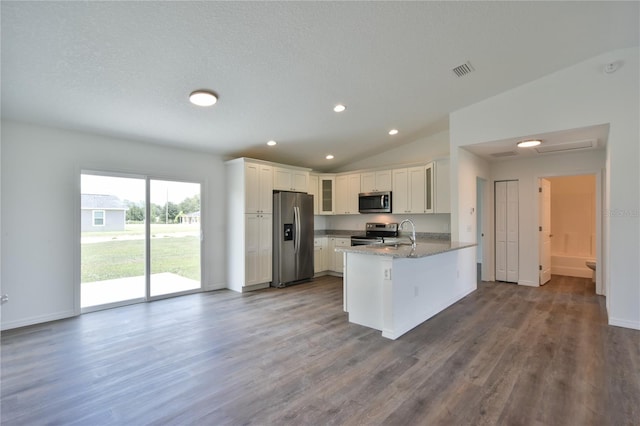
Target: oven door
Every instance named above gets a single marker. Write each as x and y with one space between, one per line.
365 241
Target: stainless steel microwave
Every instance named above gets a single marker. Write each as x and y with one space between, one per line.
374 202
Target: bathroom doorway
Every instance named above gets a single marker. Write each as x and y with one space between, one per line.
572 225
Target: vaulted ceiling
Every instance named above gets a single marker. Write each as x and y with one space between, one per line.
125 69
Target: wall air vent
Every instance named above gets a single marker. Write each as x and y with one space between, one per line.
567 146
504 154
464 69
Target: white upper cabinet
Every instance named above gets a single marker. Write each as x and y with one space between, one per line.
408 190
327 191
442 188
429 186
347 190
375 181
314 184
437 191
290 179
258 188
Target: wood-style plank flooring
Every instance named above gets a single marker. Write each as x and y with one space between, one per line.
505 355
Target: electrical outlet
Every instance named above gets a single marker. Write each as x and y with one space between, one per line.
387 274
4 298
415 291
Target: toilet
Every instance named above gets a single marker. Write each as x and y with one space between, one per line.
592 266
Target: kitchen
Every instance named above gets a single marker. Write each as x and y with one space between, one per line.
276 244
308 131
105 86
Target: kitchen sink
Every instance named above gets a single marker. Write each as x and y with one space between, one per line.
396 244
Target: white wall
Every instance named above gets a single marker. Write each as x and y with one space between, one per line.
40 211
527 172
438 223
422 150
573 215
578 96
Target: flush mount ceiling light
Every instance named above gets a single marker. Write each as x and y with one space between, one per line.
339 108
272 143
203 98
393 132
528 144
329 157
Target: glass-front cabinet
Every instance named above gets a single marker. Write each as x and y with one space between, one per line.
327 197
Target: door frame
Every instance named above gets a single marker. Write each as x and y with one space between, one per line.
601 284
148 177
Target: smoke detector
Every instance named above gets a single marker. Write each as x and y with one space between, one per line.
611 67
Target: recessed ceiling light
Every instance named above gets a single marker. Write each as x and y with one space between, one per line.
272 143
203 98
393 132
528 144
339 108
329 157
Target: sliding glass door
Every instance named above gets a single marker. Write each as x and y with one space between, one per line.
140 239
175 237
112 236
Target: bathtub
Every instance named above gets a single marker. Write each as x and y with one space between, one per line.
572 266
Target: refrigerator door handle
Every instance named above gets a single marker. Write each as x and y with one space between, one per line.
296 226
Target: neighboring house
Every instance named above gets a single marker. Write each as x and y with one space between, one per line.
190 218
101 212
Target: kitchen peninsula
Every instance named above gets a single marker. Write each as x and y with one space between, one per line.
394 288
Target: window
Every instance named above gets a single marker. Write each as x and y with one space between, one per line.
98 217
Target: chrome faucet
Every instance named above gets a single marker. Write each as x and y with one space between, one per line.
413 233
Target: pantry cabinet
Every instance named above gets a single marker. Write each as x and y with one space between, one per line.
249 215
258 188
258 248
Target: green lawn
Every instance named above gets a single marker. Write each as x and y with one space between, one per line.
139 229
120 259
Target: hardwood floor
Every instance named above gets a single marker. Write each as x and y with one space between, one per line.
505 354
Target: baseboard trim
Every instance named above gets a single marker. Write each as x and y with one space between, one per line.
617 322
529 283
37 320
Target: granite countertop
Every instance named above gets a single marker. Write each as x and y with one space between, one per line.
339 233
423 248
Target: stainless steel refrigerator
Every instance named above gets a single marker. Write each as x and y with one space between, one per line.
292 238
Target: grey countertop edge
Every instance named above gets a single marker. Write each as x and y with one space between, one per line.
338 233
423 249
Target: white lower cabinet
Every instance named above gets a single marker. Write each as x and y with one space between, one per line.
338 258
258 240
320 254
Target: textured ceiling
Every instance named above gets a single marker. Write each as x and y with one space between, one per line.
125 69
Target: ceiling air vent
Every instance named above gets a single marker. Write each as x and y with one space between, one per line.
504 154
567 146
462 70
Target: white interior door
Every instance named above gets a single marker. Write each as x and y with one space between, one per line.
544 200
501 231
506 229
512 231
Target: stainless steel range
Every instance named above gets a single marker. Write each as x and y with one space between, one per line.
375 233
